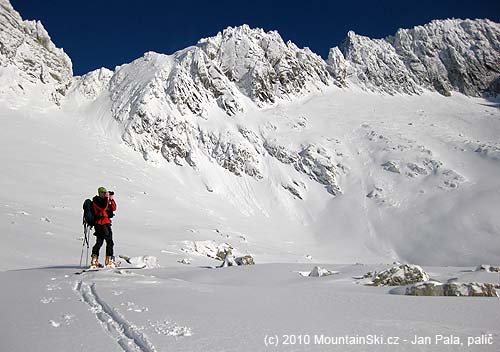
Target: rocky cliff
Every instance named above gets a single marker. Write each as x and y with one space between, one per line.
445 56
29 58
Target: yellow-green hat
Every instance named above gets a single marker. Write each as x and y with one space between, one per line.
101 190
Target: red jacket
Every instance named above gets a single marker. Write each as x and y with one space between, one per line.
102 208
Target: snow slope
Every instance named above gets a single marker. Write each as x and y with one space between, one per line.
438 208
54 159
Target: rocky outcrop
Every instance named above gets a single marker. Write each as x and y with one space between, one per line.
488 268
319 272
400 275
391 166
473 289
487 150
208 248
313 160
316 162
231 260
245 260
28 58
231 152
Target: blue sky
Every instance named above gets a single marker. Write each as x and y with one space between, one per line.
113 32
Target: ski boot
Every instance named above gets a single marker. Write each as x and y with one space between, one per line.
110 262
94 263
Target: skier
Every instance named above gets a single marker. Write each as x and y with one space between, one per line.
103 206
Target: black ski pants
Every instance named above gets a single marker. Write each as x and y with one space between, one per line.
103 232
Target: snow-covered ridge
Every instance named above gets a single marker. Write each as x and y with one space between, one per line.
189 106
196 104
28 58
263 66
166 102
444 55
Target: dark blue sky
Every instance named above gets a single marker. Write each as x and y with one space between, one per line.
113 32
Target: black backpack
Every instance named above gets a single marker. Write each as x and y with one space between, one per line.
88 215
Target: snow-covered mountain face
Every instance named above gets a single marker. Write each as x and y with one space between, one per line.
29 58
157 97
446 56
164 102
289 140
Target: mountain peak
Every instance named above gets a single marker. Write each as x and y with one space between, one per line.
443 55
263 66
29 58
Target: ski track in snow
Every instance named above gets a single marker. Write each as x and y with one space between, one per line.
129 338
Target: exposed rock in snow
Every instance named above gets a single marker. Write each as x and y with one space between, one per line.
316 162
186 261
280 152
488 268
452 179
29 58
231 260
402 155
222 252
293 190
487 150
313 160
404 274
416 170
391 166
432 165
245 260
209 248
473 289
375 193
319 272
236 156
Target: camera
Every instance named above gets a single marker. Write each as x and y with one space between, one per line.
111 193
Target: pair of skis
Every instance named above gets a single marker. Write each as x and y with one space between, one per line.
109 269
126 258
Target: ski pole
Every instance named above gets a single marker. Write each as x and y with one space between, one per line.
86 231
83 245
